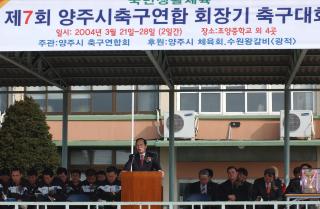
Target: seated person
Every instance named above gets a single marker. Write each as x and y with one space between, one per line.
32 184
101 176
62 174
110 190
74 188
89 185
228 189
4 181
266 188
204 189
294 186
17 188
245 186
50 188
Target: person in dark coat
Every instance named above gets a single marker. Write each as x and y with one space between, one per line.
110 189
89 185
227 190
51 188
62 174
143 160
294 186
4 182
244 187
74 186
233 189
32 183
202 190
17 187
267 189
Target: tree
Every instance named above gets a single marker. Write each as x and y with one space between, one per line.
25 141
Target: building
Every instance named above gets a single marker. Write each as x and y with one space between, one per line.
100 126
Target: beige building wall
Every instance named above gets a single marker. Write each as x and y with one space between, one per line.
208 130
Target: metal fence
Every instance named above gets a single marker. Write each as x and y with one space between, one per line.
166 205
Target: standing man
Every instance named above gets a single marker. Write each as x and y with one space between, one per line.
143 160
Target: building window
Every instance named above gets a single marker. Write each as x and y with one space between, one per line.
3 99
302 100
147 101
239 101
90 157
48 102
38 98
98 158
235 101
55 100
80 102
122 156
189 100
80 157
102 157
123 99
257 101
102 102
277 101
210 101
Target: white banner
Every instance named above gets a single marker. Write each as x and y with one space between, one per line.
59 25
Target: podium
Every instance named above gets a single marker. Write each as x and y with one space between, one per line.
141 186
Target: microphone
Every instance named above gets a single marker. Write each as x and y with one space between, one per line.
131 157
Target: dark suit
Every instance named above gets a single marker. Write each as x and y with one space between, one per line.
294 187
259 189
225 189
195 189
193 193
241 192
150 163
244 191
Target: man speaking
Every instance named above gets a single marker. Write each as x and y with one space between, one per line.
143 160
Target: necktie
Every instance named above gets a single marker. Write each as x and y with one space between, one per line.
141 160
268 188
203 189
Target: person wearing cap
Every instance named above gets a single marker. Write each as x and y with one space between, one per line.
266 188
